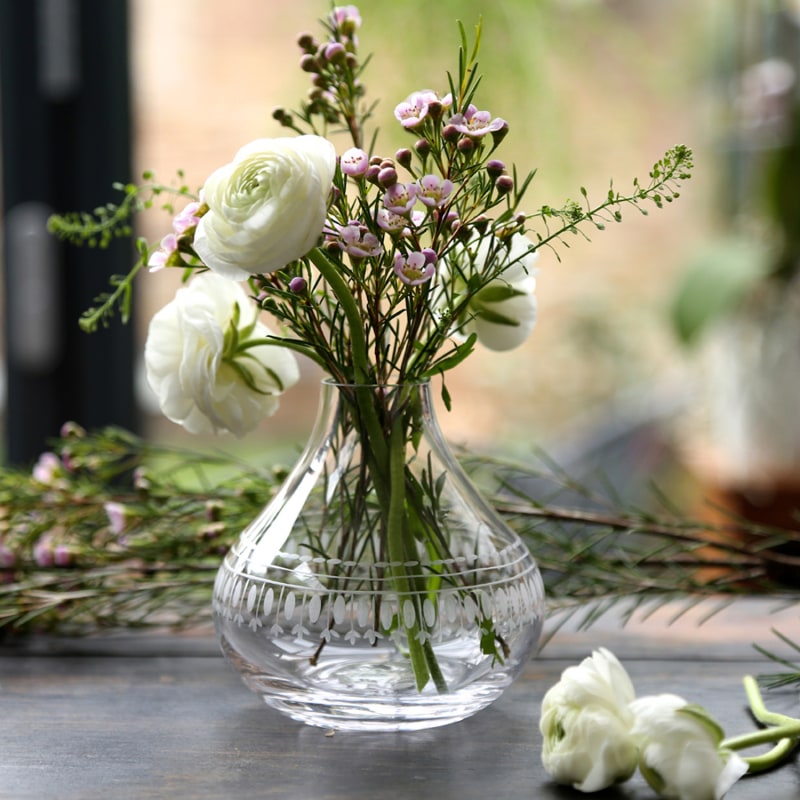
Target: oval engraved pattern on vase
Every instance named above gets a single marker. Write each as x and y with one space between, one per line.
281 601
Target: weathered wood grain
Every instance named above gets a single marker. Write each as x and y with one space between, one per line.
157 717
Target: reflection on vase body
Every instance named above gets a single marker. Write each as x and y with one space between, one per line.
378 590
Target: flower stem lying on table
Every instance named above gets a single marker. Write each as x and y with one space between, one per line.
783 730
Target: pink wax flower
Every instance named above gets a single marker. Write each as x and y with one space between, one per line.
48 469
400 198
346 20
298 284
62 555
476 123
495 167
166 250
397 224
353 238
141 480
415 268
43 553
413 110
357 240
387 176
334 52
71 429
432 191
183 223
186 218
117 515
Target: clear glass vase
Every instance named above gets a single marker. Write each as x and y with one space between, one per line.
378 590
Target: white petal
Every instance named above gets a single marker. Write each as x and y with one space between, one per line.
183 360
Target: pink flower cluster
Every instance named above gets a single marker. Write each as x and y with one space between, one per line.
48 469
183 224
49 552
397 215
473 123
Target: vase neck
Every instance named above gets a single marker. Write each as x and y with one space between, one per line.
374 408
391 396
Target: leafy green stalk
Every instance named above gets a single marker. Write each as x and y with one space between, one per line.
107 223
395 538
781 731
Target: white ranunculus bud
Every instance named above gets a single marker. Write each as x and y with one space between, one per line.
679 749
586 725
204 364
503 313
267 207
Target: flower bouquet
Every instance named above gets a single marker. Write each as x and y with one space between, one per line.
377 589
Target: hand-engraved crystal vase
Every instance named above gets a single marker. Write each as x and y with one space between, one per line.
378 590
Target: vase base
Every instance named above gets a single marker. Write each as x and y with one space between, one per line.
349 695
340 713
345 717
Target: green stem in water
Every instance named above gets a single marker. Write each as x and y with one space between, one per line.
397 553
387 466
419 583
433 665
783 730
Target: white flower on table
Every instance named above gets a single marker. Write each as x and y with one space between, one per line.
586 724
680 754
208 362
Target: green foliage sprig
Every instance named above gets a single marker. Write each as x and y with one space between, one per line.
113 221
98 228
110 531
791 675
666 176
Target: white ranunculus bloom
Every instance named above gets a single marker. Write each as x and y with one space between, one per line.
586 725
267 207
503 313
203 381
679 749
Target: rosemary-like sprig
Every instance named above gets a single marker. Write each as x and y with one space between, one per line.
111 531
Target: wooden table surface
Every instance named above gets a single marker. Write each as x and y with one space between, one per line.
164 716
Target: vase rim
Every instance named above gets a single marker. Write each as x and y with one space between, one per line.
392 385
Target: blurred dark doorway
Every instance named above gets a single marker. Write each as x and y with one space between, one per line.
66 137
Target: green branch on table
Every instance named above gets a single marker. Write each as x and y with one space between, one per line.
110 531
779 679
